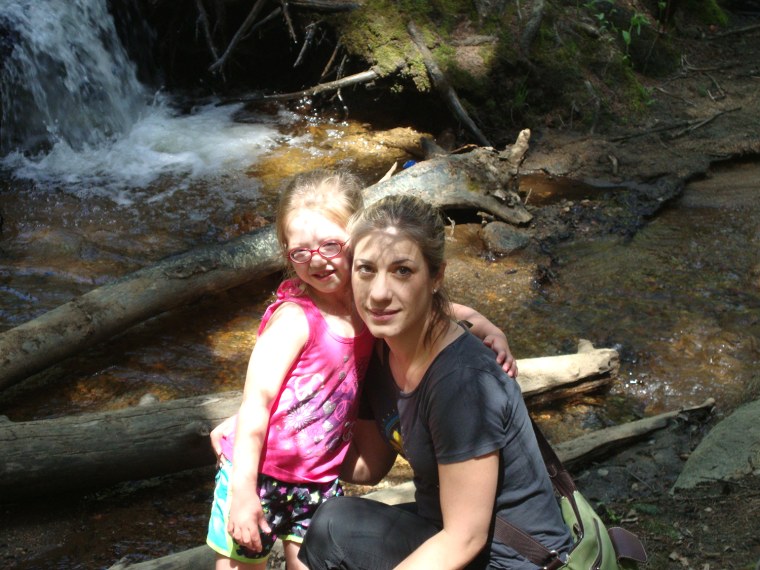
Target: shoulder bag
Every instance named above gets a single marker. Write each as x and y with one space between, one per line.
595 547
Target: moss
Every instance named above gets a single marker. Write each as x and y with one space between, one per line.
708 12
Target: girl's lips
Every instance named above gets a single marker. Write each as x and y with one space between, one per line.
322 275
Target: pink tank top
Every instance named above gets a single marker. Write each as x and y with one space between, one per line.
312 418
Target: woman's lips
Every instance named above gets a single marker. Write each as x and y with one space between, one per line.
381 315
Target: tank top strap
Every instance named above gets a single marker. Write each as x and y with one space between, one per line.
290 291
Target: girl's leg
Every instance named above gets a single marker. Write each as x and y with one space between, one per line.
224 563
291 549
351 533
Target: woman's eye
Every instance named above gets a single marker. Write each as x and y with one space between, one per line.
403 271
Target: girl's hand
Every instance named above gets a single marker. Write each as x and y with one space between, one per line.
498 343
246 519
218 433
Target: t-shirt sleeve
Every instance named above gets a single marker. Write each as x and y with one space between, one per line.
468 412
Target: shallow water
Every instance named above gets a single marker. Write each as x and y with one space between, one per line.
681 301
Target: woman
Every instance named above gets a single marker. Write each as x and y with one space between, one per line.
436 395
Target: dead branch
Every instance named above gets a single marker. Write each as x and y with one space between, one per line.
356 79
531 27
326 5
311 29
735 31
242 30
203 19
701 123
288 21
442 85
329 64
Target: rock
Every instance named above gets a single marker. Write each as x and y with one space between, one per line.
731 450
503 239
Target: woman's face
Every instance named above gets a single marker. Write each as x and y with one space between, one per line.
392 285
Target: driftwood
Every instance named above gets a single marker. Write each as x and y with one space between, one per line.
573 452
447 182
550 378
99 449
443 86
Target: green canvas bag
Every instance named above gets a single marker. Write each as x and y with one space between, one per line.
595 547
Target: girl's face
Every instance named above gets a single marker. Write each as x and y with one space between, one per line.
393 289
309 229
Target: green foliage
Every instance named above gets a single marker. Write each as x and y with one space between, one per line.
708 12
602 11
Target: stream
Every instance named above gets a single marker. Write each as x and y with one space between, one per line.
82 204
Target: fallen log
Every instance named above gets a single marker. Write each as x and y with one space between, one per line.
95 450
442 85
476 180
573 452
550 378
111 309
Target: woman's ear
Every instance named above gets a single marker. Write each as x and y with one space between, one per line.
438 279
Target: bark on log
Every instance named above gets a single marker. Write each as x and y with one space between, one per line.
448 182
99 449
113 308
573 452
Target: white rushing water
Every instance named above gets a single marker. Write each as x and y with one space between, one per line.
75 117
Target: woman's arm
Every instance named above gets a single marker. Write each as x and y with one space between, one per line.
468 492
491 335
273 355
369 456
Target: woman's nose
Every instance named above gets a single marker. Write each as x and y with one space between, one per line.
379 291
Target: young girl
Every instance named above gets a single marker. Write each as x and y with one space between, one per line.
301 390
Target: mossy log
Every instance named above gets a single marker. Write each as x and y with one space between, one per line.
477 180
95 450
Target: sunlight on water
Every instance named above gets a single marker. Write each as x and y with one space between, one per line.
186 147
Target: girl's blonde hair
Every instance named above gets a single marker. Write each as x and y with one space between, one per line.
335 194
423 224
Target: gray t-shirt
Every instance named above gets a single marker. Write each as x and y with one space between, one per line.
465 407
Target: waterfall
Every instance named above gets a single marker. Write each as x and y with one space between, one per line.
64 76
76 118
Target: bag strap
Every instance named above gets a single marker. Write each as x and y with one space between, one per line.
525 544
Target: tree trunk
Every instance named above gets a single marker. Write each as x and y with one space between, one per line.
477 180
99 449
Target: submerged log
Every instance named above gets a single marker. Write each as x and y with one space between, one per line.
573 452
476 180
99 449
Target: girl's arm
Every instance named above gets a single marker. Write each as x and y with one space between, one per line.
491 335
468 492
273 355
369 456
